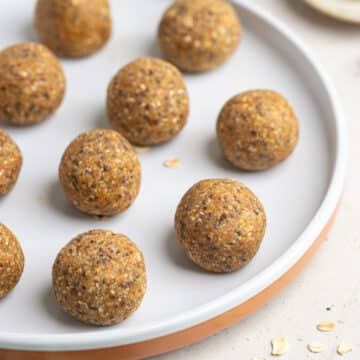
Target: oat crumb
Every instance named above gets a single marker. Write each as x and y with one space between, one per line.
280 346
316 347
326 326
344 348
172 163
141 149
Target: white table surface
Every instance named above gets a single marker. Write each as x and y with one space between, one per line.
332 279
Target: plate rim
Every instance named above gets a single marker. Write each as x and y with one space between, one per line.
341 14
97 340
188 336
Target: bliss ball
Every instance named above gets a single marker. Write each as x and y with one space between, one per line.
73 28
11 261
99 277
32 84
220 224
257 129
199 35
100 172
147 101
10 163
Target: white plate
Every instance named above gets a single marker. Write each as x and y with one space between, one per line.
299 195
345 10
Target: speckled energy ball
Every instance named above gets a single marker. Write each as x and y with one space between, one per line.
147 101
99 277
11 260
199 35
257 129
73 28
100 172
220 224
32 84
10 163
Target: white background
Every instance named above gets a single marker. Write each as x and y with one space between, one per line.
333 277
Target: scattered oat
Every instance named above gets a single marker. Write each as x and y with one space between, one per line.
344 348
280 346
141 149
326 326
172 163
316 347
258 358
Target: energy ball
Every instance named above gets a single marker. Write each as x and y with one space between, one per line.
220 224
73 28
100 172
10 163
11 261
147 101
99 277
257 129
199 35
32 84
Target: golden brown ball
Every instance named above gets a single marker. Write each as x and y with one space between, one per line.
199 35
32 84
257 129
10 163
99 277
147 101
220 224
11 260
73 28
100 172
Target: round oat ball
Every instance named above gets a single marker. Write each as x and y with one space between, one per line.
257 129
73 28
100 172
32 84
147 101
199 35
10 163
220 224
11 261
99 277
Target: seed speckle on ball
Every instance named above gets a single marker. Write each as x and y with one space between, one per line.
147 101
100 172
11 260
99 277
10 163
32 84
220 224
73 28
257 129
199 35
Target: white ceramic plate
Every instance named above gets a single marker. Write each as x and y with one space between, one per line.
345 10
299 195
